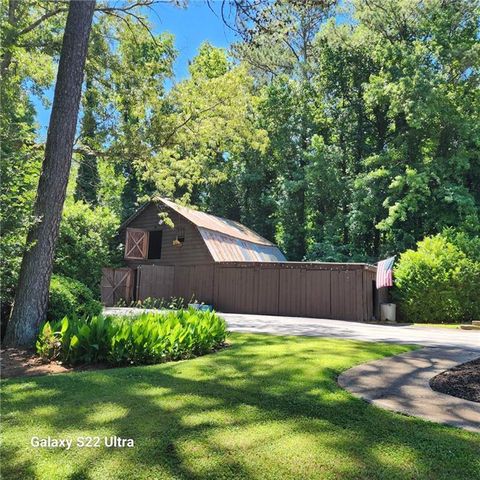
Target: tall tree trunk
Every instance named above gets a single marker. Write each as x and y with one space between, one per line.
31 297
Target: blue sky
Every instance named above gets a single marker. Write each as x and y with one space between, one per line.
191 27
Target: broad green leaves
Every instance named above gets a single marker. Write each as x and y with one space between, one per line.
147 338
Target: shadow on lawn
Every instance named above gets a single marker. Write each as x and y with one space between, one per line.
227 415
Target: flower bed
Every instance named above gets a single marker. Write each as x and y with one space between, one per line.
144 339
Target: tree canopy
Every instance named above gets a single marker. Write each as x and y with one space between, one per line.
342 131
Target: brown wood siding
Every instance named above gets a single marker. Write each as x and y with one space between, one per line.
292 292
267 288
337 291
193 250
317 293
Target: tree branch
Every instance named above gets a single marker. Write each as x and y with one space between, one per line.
186 121
40 20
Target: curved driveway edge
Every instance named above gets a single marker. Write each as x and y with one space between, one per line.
401 384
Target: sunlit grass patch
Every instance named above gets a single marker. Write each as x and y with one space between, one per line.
268 407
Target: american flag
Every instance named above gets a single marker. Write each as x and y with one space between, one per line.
385 273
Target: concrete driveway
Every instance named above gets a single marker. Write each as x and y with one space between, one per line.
402 384
317 327
399 383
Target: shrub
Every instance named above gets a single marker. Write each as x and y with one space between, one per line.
70 298
171 303
75 340
437 283
147 338
86 243
153 338
468 244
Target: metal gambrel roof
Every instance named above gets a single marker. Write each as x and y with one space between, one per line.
217 224
226 240
225 248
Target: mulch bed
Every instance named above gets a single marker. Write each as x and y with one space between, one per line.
24 363
462 381
20 363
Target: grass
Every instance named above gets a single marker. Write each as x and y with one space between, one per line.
267 407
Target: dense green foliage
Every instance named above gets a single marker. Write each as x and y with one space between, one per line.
373 125
266 408
24 71
339 140
147 338
440 280
86 243
70 298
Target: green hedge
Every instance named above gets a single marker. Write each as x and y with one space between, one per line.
147 338
439 282
70 298
86 243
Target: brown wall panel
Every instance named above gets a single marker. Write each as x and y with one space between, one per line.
349 296
200 280
359 312
235 289
155 281
292 295
181 281
224 290
338 284
312 290
317 293
267 290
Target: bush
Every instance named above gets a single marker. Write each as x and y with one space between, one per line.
171 303
70 298
468 244
147 338
75 340
86 243
437 283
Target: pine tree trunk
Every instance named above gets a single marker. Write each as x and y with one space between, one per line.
31 297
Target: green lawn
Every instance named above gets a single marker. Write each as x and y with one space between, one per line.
267 407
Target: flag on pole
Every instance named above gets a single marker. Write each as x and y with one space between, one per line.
385 272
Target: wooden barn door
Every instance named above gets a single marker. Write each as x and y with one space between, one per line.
136 244
117 284
155 281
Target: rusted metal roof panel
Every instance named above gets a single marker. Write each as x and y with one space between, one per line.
217 224
225 248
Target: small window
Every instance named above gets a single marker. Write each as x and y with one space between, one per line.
155 245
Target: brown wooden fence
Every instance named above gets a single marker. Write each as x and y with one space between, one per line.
327 290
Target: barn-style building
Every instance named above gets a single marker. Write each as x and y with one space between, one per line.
175 251
196 238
